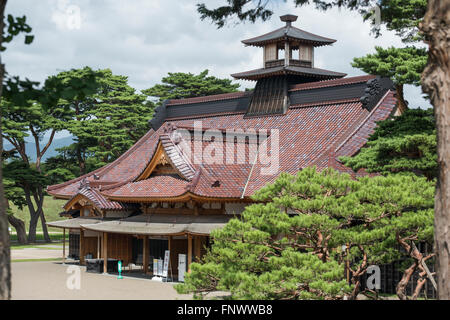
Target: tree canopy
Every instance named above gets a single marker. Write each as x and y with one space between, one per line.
402 65
288 246
118 119
10 28
405 144
104 123
30 110
401 16
181 85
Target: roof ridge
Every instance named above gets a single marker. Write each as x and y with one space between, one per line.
324 103
262 35
213 97
181 156
100 201
104 168
207 115
331 83
285 30
121 183
313 34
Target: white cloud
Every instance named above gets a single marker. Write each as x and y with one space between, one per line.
145 39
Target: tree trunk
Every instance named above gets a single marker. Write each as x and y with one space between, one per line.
45 229
39 195
32 228
420 283
5 253
19 225
401 286
415 254
39 199
34 216
436 83
81 161
402 105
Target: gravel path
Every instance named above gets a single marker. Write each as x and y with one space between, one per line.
35 253
47 280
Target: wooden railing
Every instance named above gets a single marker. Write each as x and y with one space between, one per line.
292 62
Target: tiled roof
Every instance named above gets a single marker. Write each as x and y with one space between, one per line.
154 187
176 157
102 203
293 70
331 83
289 32
112 172
313 134
162 224
215 97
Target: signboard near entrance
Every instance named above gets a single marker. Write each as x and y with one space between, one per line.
166 263
160 267
181 267
155 267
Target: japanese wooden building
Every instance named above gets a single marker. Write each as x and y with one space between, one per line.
157 197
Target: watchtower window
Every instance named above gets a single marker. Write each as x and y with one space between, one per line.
280 54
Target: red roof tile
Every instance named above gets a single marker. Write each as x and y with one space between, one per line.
311 135
100 201
153 187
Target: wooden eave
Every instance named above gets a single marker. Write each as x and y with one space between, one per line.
152 164
160 156
181 198
76 199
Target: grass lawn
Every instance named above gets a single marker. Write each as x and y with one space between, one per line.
52 208
34 260
33 246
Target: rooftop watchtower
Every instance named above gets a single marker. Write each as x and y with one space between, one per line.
288 59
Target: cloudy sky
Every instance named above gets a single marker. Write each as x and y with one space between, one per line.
146 39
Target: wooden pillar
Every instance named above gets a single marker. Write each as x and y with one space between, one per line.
98 245
189 256
145 255
169 247
64 245
286 53
197 247
105 252
81 247
196 205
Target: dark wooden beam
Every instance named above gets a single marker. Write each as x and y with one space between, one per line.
145 255
81 247
105 252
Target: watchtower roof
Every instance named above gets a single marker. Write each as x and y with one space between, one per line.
288 32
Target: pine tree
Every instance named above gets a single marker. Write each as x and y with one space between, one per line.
406 144
104 124
402 65
31 110
180 85
10 27
401 16
288 246
118 120
436 83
